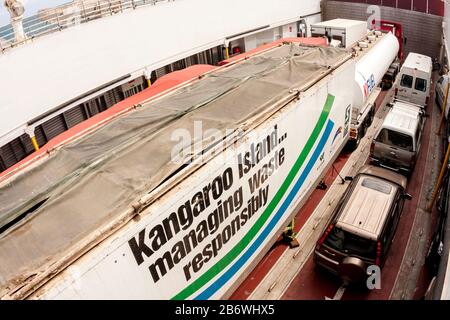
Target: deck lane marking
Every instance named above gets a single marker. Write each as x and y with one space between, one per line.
339 293
420 196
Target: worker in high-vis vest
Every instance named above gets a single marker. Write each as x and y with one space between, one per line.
289 235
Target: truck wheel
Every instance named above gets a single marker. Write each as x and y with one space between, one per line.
353 144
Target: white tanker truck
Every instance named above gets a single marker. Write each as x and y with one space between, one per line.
369 72
376 51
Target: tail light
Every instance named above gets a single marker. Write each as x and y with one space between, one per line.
426 101
325 235
372 147
396 91
378 258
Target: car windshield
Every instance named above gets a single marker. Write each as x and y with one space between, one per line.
421 84
348 243
406 81
395 138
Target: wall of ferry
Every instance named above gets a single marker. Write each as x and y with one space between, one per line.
441 286
71 72
421 20
446 34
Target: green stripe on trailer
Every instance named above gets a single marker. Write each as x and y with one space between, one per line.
236 251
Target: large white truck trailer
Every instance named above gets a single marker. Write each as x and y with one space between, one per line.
133 223
181 197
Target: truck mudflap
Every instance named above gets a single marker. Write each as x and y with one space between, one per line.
359 129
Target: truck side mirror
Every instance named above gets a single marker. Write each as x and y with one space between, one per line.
407 196
405 40
348 178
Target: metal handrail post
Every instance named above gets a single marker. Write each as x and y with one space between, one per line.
57 21
84 11
35 28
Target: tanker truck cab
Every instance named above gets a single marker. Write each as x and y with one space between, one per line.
414 81
363 225
397 144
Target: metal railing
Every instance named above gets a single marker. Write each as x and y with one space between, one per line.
66 16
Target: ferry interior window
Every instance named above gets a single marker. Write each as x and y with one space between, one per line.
406 81
153 77
421 85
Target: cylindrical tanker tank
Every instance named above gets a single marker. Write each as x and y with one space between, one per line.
369 71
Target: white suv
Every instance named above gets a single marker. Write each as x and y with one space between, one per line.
397 143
